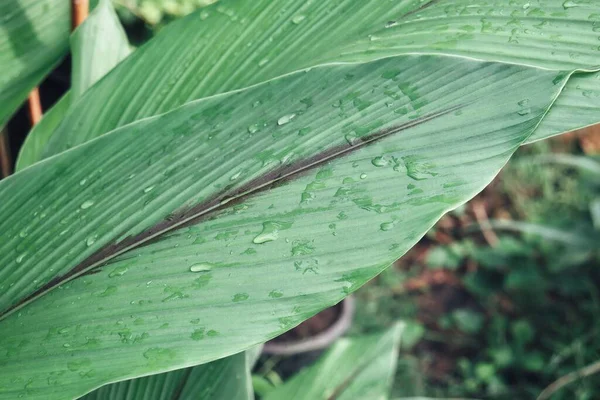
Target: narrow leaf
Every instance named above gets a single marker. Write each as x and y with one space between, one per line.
225 379
354 368
36 140
96 47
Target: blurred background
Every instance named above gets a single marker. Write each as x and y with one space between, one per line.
501 298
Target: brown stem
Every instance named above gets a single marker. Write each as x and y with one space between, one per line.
486 229
35 106
81 9
5 160
563 381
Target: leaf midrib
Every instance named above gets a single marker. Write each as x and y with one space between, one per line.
217 203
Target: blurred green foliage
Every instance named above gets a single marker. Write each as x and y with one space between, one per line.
532 312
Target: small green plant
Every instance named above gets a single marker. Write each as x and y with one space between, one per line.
254 163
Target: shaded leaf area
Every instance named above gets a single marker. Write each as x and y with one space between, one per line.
33 39
353 368
96 47
224 379
263 263
234 44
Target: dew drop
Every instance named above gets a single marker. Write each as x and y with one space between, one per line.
86 204
91 240
23 234
252 129
390 24
235 176
148 189
569 4
298 18
20 258
270 231
386 226
119 271
82 182
263 62
379 162
351 139
285 119
363 176
524 111
240 297
201 267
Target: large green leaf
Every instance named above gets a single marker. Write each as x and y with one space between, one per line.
224 379
236 43
356 368
34 36
96 47
230 263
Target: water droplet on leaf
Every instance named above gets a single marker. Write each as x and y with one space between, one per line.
86 204
201 267
285 119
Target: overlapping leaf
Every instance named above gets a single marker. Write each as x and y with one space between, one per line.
262 260
357 368
234 44
96 46
224 379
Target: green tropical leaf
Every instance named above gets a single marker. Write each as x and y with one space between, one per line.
38 137
198 233
225 379
353 368
234 44
96 47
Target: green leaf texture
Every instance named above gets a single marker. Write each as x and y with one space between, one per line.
235 43
198 233
225 379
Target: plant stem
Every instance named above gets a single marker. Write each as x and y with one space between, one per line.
5 160
563 381
35 106
81 10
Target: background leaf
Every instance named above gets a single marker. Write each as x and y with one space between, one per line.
353 368
96 46
235 44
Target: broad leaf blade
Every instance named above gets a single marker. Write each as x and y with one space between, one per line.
354 368
225 379
257 265
234 44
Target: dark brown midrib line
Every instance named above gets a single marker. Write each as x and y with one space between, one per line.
226 198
